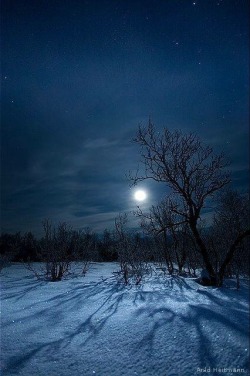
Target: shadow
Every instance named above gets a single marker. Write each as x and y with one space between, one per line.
160 317
229 297
163 309
29 286
194 328
106 295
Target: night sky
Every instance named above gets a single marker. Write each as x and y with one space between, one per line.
78 77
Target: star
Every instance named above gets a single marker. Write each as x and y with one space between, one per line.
175 42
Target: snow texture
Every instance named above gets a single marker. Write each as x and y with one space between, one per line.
93 325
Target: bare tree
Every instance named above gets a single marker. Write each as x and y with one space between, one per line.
191 170
9 248
229 230
106 246
180 238
55 250
159 222
131 253
83 244
172 234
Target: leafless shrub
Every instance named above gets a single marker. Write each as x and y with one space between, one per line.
55 250
37 272
131 253
228 239
10 246
83 246
5 260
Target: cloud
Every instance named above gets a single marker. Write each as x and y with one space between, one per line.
80 185
100 143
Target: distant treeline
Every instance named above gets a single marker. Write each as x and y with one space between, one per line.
176 252
89 245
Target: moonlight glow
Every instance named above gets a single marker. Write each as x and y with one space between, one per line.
140 195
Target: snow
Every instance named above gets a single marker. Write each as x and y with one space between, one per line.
94 325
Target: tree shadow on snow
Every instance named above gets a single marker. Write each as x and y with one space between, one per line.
97 302
199 327
106 297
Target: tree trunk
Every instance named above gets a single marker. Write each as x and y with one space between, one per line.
167 255
203 250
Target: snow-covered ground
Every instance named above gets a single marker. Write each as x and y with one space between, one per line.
93 325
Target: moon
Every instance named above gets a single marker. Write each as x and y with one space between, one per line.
140 195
